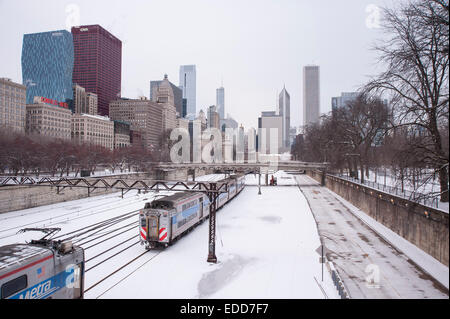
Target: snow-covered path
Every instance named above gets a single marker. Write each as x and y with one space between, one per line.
358 252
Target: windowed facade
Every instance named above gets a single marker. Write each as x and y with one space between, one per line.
98 63
47 65
12 105
48 120
94 129
144 116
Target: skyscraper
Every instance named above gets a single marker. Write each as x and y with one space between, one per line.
98 63
213 117
284 110
168 88
164 95
311 94
12 105
188 85
144 116
47 65
340 101
220 102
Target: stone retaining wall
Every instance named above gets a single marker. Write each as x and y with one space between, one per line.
425 227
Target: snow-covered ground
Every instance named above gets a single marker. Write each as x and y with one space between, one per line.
283 179
265 245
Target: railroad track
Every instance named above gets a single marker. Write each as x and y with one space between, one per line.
122 267
63 206
60 221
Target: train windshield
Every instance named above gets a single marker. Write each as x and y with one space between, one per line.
161 205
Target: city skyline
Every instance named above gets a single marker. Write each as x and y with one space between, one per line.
228 49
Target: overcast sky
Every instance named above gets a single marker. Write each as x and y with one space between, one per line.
254 46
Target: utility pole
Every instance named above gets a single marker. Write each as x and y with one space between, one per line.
259 182
212 195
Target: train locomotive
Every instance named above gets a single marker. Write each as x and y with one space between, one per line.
165 220
42 269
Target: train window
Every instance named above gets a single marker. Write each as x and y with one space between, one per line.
162 205
14 286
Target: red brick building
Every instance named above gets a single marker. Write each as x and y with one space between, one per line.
98 63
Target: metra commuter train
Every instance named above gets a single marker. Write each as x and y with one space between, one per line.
164 220
41 270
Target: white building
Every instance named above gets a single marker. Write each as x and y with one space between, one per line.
270 131
94 129
49 118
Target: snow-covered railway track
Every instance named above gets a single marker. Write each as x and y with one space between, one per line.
58 220
121 268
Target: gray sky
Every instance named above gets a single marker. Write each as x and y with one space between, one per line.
255 46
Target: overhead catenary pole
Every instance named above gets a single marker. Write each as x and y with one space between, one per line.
259 182
212 195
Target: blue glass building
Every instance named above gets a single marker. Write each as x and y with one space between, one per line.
47 65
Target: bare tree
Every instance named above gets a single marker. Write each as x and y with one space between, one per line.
361 124
416 77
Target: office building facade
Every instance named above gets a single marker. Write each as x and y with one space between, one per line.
12 105
98 63
270 131
284 110
341 101
121 134
84 102
49 118
144 117
220 102
175 92
93 129
47 65
213 117
188 80
311 94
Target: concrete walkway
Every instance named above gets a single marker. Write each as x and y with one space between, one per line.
369 266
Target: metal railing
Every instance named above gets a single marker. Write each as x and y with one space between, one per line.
414 196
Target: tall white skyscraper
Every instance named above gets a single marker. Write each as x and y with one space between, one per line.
284 110
188 85
220 102
311 94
